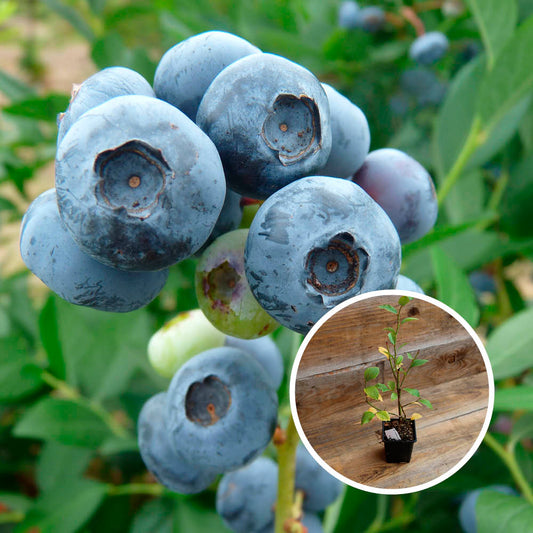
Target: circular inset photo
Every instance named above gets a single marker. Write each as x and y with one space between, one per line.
392 392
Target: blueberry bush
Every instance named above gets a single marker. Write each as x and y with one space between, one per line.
104 415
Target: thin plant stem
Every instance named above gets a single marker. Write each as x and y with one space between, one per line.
473 141
287 470
509 459
151 489
381 513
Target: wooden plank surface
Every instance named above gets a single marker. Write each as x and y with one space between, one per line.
330 398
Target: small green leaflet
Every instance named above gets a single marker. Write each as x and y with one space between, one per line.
382 387
409 355
392 330
393 396
371 372
409 319
399 360
427 403
383 415
404 300
367 417
391 384
414 392
419 362
389 308
373 392
392 337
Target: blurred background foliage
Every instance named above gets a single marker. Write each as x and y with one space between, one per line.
72 380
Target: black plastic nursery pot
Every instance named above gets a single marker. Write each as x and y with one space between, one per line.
397 451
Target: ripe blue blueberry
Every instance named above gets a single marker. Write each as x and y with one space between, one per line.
347 16
139 185
371 19
246 498
399 104
320 488
429 48
50 253
350 136
403 188
186 70
222 409
406 284
269 119
165 463
265 351
424 86
99 88
312 523
467 510
315 243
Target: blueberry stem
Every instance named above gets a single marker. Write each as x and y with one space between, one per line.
475 138
509 459
69 392
287 469
152 489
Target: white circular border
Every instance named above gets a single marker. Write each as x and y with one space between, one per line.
428 484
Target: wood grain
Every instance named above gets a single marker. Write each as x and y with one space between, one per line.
330 399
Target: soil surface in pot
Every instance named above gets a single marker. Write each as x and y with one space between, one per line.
403 427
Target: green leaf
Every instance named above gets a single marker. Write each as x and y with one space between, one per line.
510 80
382 387
392 337
502 513
393 396
391 384
419 362
514 399
367 417
45 108
409 355
383 415
14 88
65 509
72 16
373 392
64 421
17 375
466 200
49 333
414 392
404 300
399 360
496 21
509 345
102 351
522 429
371 372
391 330
453 286
60 464
425 402
515 207
389 308
409 319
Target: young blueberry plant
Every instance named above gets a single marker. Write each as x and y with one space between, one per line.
400 366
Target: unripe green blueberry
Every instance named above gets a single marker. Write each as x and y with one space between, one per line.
183 337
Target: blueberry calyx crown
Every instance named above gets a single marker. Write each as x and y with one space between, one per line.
207 401
292 128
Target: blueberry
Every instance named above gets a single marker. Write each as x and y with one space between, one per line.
266 352
187 69
183 337
246 498
320 488
223 292
350 136
406 284
429 48
139 185
229 219
222 409
269 119
482 282
371 19
165 463
312 523
403 188
50 253
399 104
99 88
347 16
424 86
467 510
315 243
